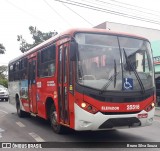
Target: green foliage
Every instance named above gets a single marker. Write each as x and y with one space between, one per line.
38 37
3 70
4 82
2 49
3 75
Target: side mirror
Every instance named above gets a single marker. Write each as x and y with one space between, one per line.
73 50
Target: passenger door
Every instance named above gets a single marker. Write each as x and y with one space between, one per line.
32 85
63 84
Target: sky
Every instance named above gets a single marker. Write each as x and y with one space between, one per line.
52 15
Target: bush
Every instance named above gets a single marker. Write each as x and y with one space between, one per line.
4 82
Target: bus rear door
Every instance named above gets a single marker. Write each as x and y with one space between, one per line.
32 85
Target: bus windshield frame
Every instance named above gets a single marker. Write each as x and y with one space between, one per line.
101 61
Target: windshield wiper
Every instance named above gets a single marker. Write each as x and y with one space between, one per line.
114 76
115 71
135 71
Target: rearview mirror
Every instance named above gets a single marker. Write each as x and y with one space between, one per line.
73 50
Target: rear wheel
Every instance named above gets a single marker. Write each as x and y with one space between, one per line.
20 113
57 128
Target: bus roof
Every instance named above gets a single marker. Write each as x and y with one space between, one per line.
71 32
97 30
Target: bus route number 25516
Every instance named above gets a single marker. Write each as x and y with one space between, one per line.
133 107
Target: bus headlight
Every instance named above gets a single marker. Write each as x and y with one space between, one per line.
150 107
153 104
83 105
88 107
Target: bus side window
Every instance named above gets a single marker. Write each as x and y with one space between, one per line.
51 69
46 62
23 69
39 64
11 74
16 71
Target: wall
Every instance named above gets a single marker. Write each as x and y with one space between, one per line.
152 34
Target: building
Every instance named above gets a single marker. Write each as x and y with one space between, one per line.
152 34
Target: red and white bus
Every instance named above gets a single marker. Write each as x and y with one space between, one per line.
86 79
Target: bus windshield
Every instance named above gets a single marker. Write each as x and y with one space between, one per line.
103 62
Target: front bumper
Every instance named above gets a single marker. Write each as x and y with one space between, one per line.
4 96
87 121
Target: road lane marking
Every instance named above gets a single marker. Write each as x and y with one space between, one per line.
36 137
20 124
1 130
2 116
4 111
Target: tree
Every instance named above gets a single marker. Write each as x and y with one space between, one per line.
3 75
2 49
38 37
3 71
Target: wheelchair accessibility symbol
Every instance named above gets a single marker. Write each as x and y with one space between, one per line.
128 84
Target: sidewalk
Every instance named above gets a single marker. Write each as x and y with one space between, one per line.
157 111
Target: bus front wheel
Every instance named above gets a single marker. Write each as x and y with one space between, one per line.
57 128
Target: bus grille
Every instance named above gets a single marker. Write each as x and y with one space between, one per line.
119 113
118 122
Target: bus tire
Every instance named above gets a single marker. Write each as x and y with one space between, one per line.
56 127
20 113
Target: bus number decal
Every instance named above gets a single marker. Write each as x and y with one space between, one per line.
133 107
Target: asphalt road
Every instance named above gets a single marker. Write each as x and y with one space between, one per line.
15 129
